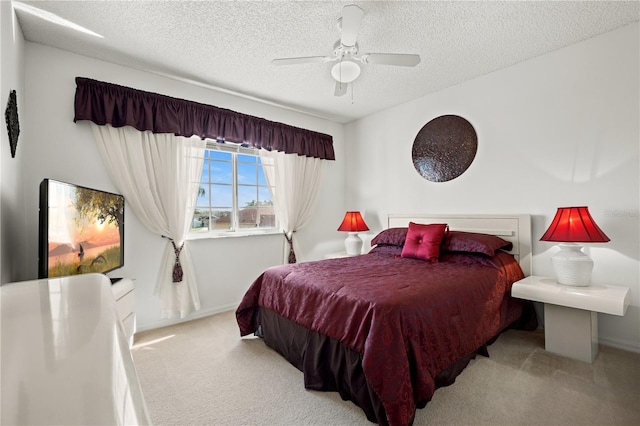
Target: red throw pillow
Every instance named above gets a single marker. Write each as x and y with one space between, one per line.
423 241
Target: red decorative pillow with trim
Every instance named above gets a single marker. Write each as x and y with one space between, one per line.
423 241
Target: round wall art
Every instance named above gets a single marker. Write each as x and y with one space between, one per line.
444 148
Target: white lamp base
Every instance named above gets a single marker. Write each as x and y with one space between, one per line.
572 266
353 244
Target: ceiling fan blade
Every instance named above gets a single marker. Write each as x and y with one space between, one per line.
300 60
341 89
350 24
399 59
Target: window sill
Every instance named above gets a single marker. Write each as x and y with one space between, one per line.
218 235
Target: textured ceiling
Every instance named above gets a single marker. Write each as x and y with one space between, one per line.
230 44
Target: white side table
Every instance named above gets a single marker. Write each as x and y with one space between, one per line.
571 313
339 254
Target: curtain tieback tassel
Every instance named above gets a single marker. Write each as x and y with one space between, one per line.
177 268
292 254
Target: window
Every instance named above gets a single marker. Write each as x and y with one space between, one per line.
234 196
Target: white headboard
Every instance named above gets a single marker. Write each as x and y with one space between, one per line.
515 228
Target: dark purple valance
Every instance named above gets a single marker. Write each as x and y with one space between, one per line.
106 103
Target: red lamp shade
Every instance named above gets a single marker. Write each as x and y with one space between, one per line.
574 225
353 222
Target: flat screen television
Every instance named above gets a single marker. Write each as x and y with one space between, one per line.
81 230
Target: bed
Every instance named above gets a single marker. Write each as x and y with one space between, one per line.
387 328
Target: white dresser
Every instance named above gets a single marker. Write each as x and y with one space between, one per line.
124 294
65 356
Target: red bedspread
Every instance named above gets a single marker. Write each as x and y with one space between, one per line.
408 318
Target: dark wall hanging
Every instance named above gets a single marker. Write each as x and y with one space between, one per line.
444 148
13 126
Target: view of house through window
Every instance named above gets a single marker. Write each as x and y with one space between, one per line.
233 194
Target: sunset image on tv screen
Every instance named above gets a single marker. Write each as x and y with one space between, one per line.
84 230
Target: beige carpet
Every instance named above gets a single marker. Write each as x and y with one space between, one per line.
202 373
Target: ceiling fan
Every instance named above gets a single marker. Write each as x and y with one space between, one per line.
345 53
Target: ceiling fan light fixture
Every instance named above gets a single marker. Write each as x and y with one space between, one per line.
345 71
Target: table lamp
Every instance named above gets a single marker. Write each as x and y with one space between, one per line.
353 223
570 226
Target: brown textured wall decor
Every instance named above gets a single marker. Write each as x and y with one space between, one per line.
444 148
13 125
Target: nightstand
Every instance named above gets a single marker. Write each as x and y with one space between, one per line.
339 254
571 313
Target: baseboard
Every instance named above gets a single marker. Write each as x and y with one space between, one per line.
198 314
625 345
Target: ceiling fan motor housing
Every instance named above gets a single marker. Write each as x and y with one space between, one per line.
340 50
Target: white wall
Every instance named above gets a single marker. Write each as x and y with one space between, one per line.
58 148
11 78
558 130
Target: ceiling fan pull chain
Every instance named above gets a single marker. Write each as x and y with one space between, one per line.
353 85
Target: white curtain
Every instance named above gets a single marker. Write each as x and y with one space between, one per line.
159 176
297 180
